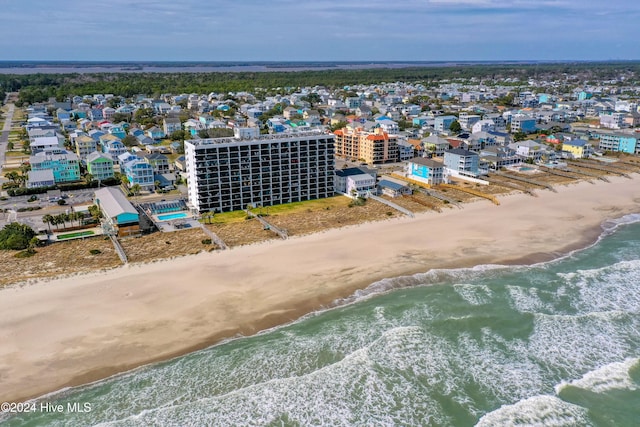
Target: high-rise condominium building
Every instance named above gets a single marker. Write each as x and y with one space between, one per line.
226 174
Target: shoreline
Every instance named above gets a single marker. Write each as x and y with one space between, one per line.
137 315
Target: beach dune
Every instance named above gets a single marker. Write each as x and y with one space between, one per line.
74 330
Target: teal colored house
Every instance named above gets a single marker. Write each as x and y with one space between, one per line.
118 131
65 166
425 170
619 142
627 144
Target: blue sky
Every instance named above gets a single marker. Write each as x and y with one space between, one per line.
321 30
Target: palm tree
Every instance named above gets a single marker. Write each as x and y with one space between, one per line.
135 189
13 176
48 219
88 178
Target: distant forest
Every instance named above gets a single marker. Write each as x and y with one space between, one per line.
41 87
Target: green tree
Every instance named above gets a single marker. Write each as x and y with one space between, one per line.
13 176
455 126
338 125
48 219
135 189
16 236
178 135
130 141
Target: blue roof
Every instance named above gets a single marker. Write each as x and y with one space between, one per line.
390 184
577 142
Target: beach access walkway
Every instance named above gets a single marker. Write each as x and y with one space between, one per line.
268 226
391 204
214 237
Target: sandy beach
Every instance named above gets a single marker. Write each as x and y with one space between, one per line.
79 329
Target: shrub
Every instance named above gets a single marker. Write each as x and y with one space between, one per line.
25 254
206 241
95 251
62 202
16 236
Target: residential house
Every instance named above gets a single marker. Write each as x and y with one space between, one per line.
622 142
40 178
100 165
113 147
461 162
64 165
159 162
435 145
405 151
443 123
48 143
523 123
118 131
354 182
467 120
85 145
137 171
425 170
498 157
530 150
578 148
171 124
108 113
393 187
485 125
155 133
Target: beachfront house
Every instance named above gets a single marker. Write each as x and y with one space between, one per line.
578 148
425 170
622 142
355 182
393 187
120 217
461 162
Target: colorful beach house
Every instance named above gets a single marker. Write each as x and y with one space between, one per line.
579 148
425 170
65 166
100 165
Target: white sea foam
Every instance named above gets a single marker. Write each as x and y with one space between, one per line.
569 345
474 294
614 287
527 299
614 376
538 411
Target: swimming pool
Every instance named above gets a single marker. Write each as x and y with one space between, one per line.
172 216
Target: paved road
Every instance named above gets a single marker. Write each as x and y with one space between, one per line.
4 137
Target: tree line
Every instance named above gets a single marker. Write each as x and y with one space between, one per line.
41 87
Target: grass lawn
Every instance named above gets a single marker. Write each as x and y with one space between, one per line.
78 234
285 209
16 154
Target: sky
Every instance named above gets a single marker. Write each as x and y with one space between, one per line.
320 30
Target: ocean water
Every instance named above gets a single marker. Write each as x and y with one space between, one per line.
555 344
